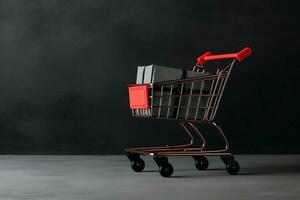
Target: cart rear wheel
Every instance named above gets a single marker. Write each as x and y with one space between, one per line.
232 167
166 170
138 165
201 163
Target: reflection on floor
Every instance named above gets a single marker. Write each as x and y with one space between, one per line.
110 177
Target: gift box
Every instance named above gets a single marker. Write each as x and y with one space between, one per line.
166 102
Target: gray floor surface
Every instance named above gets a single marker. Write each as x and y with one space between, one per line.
110 177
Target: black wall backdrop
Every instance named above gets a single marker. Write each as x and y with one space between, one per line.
65 66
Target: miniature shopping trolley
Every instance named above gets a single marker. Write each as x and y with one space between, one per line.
190 101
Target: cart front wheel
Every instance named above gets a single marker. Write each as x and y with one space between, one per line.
166 170
201 163
233 167
138 165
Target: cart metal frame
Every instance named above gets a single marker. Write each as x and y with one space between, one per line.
142 103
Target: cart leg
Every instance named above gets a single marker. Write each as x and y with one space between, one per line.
220 131
137 164
165 168
200 136
227 158
133 156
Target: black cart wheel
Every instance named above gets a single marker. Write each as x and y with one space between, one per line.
166 170
233 167
138 165
201 163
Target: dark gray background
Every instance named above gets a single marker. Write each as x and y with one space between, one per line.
65 65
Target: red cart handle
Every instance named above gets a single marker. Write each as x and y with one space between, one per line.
241 55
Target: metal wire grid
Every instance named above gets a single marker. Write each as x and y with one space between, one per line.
183 99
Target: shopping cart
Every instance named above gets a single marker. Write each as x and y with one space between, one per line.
188 101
